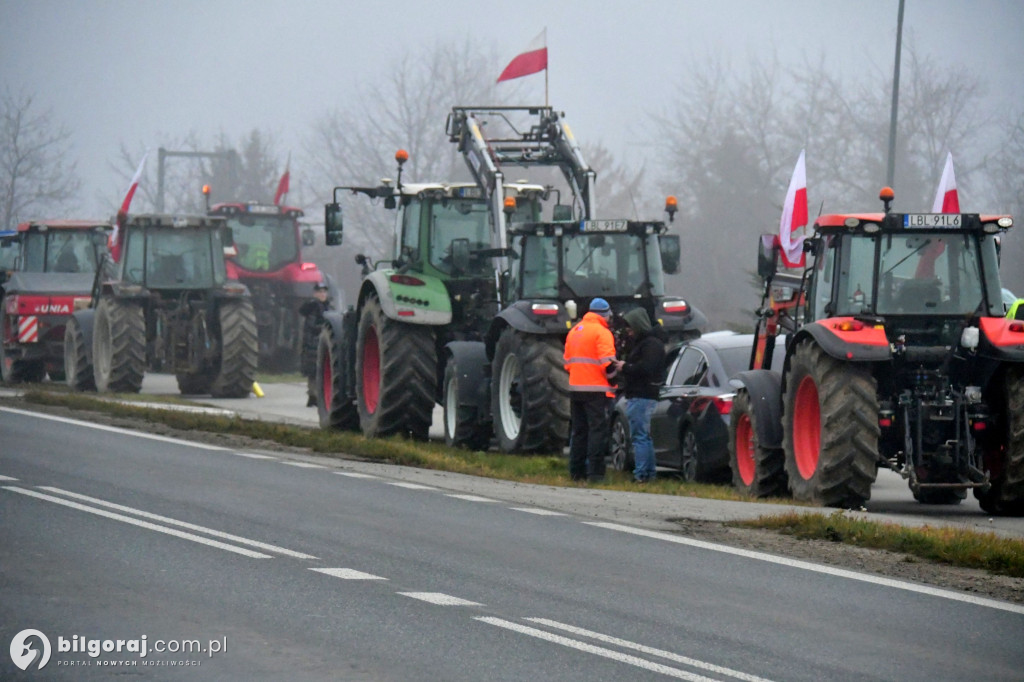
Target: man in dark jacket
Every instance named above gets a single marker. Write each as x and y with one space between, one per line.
313 311
643 371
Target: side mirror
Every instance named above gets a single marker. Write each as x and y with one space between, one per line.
332 224
767 256
668 244
99 239
460 254
308 237
561 213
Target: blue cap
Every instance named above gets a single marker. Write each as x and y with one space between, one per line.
599 305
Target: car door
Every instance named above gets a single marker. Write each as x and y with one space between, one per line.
675 403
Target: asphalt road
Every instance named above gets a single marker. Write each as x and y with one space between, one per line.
313 568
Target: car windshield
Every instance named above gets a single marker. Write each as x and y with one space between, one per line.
265 242
60 251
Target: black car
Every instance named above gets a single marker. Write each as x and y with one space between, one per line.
690 424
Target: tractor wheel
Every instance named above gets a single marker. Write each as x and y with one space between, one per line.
334 410
77 369
17 371
939 495
1006 496
621 445
756 471
462 427
119 346
830 426
529 393
239 350
396 374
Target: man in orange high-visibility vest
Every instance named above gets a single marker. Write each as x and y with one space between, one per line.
589 350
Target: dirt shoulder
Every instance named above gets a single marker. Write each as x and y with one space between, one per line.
622 507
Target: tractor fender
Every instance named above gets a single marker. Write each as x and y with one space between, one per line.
85 320
1001 339
473 368
866 345
764 387
427 303
519 317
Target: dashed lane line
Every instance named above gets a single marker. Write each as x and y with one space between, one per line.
410 486
181 524
142 524
7 478
538 511
355 474
305 465
348 574
440 599
250 455
470 498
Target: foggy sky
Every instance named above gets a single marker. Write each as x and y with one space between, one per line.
118 72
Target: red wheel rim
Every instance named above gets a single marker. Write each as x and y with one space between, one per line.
371 370
745 450
806 428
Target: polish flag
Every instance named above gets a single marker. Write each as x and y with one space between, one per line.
794 215
282 186
946 198
533 60
116 236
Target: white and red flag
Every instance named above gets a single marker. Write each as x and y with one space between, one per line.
283 183
117 235
533 60
946 198
794 215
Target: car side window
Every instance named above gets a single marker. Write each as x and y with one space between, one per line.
691 369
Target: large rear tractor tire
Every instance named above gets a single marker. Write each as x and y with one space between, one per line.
119 346
396 375
239 350
14 371
334 410
1006 496
529 393
756 471
462 426
78 372
830 427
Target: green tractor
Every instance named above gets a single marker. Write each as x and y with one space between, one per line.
380 363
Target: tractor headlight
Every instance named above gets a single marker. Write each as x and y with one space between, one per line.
970 337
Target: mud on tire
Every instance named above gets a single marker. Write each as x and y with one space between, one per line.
529 393
119 346
77 368
1006 496
239 349
756 471
396 376
830 426
333 408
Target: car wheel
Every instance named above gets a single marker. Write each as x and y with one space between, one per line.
689 456
620 448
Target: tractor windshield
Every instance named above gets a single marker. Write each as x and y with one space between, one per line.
8 253
265 242
459 219
60 251
174 258
616 264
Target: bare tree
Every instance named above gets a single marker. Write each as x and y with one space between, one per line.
36 173
1008 174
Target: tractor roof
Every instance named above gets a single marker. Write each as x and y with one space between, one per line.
167 220
232 207
902 222
590 227
469 190
43 225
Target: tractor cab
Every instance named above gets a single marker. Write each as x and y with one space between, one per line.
174 252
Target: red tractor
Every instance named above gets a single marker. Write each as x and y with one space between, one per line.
268 260
49 273
897 355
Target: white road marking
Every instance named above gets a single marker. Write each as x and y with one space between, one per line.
625 644
354 474
411 486
182 524
305 465
537 511
252 456
113 429
7 478
348 574
439 599
808 566
471 498
141 524
596 650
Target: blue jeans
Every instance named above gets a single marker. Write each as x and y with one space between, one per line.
638 411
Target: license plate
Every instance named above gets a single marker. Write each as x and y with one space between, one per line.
917 220
604 226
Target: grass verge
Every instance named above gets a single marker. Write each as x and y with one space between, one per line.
951 546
